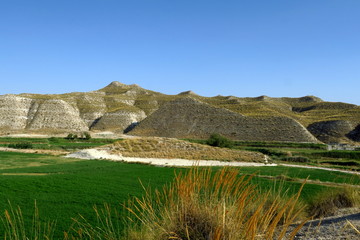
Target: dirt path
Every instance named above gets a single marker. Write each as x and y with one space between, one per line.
322 168
38 151
103 154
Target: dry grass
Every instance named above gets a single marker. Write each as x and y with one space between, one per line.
327 203
16 229
173 148
201 205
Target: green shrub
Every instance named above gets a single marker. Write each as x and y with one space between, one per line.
71 136
269 152
54 140
338 154
87 135
23 145
327 203
296 159
217 140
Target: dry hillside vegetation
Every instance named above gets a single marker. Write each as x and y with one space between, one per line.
118 107
173 148
191 118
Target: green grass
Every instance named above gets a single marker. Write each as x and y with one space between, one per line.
303 173
10 160
315 154
65 188
74 188
57 143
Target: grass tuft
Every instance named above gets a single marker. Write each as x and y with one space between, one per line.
203 205
327 203
16 228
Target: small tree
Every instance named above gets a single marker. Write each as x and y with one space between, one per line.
87 135
218 140
71 136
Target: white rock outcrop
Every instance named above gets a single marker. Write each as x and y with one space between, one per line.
57 114
14 111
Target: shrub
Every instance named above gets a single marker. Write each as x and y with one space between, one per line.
327 203
71 136
269 152
296 159
201 205
54 140
338 154
87 135
217 140
23 145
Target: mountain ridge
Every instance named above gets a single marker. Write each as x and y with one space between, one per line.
120 107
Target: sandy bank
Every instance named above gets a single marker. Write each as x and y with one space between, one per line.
102 154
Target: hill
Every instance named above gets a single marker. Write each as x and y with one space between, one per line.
154 147
119 107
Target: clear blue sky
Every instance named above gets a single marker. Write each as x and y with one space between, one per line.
244 48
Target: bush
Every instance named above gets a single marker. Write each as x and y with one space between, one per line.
338 154
296 159
327 203
269 152
216 140
201 205
23 145
54 140
87 135
71 136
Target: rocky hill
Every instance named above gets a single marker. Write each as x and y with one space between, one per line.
130 108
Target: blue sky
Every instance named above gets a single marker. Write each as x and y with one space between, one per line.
247 48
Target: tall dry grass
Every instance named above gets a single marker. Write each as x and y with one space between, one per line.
15 227
202 205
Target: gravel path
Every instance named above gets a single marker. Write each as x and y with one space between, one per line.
345 225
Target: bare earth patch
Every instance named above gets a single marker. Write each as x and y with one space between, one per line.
39 151
103 154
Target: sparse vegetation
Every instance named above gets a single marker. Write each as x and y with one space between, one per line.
173 148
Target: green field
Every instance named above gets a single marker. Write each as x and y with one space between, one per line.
71 188
309 153
64 188
56 143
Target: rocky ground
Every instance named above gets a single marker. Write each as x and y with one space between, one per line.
343 226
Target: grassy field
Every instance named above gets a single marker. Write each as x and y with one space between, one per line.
64 188
308 153
57 143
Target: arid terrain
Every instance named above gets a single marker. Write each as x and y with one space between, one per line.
131 109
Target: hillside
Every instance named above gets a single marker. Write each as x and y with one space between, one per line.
119 107
190 118
169 148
